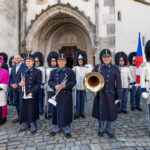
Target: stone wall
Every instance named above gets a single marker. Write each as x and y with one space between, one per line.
45 30
106 31
9 26
88 7
106 27
134 19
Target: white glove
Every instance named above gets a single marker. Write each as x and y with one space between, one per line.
43 85
130 86
74 88
136 85
145 95
46 85
87 91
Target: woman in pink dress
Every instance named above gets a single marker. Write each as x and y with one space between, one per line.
4 81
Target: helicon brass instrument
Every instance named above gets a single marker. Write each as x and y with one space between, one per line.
93 82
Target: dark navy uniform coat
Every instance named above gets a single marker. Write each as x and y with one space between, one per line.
104 107
30 107
15 78
63 112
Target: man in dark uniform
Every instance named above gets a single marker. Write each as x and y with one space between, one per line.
30 109
63 112
104 108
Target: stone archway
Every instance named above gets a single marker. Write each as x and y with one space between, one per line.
61 25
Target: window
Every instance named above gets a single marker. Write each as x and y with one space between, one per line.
119 16
143 40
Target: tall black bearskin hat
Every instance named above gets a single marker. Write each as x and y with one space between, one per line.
10 61
147 51
23 55
121 56
4 56
104 52
39 56
80 54
131 57
51 56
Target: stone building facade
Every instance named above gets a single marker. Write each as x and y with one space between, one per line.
90 25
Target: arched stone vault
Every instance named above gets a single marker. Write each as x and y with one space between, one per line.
56 26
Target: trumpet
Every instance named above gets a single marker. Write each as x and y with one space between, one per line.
24 88
52 100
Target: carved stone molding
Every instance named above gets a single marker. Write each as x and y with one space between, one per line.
65 5
147 2
25 5
40 19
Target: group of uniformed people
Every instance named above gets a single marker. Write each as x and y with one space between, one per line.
31 85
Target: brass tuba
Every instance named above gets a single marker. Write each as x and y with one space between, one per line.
93 82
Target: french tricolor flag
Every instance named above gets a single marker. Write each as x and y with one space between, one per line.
140 58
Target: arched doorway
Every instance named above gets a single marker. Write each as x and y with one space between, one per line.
69 51
61 27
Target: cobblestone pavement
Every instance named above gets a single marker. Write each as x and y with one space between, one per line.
131 133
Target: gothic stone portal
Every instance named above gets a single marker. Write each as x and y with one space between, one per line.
67 29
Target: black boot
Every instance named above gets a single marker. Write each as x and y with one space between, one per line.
125 112
53 133
138 108
100 134
111 135
82 116
68 135
76 116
